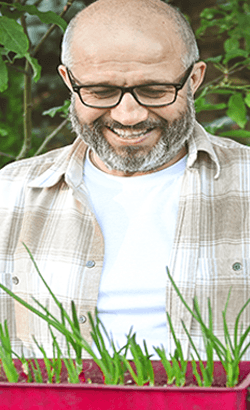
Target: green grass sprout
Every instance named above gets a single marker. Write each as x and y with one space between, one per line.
38 378
6 354
178 361
144 370
208 370
229 353
113 362
112 365
170 372
177 367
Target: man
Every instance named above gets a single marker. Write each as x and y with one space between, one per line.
142 187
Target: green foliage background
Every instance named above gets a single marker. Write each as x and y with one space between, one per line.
34 101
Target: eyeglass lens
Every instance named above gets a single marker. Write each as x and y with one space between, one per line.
108 96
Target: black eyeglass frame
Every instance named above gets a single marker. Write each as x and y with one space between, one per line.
178 86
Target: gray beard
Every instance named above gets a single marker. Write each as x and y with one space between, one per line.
131 159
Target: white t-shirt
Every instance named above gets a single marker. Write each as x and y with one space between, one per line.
137 216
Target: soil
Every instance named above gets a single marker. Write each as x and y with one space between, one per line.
92 374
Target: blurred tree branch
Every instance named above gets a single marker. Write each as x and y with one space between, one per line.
28 84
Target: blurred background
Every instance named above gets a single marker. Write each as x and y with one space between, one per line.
222 30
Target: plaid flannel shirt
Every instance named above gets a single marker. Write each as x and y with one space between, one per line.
44 204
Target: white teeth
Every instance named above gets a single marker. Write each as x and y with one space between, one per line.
128 134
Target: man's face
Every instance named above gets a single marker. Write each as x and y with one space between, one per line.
131 139
133 158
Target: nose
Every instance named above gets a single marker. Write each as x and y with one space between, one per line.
129 112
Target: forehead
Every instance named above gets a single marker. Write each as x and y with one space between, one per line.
126 53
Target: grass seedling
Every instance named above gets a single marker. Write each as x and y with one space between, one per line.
179 370
231 353
112 366
166 364
38 378
56 360
177 367
47 362
178 361
6 354
53 366
207 371
73 336
144 370
234 350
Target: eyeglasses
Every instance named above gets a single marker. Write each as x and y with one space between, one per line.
108 96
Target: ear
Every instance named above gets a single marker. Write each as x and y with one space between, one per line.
63 73
198 75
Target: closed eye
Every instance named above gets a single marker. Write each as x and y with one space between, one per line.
154 91
100 92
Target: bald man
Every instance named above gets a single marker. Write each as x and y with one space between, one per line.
143 187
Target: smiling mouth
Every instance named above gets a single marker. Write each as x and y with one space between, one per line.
125 134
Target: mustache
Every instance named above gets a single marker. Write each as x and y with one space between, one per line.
141 126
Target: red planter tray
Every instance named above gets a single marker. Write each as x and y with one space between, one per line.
29 396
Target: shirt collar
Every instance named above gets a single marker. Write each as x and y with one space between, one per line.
70 162
200 141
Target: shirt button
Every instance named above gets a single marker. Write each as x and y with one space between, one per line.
237 266
15 280
82 319
90 264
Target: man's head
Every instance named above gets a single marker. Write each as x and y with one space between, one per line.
127 44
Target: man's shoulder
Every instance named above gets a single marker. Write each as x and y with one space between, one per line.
30 168
217 152
230 153
227 143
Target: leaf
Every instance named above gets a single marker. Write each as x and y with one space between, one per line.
231 44
202 105
208 13
244 23
213 59
37 371
54 110
235 53
5 11
221 91
12 36
3 131
74 316
211 107
195 372
236 133
166 364
237 109
47 17
35 67
3 77
247 100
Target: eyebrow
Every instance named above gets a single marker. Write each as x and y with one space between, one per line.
108 84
